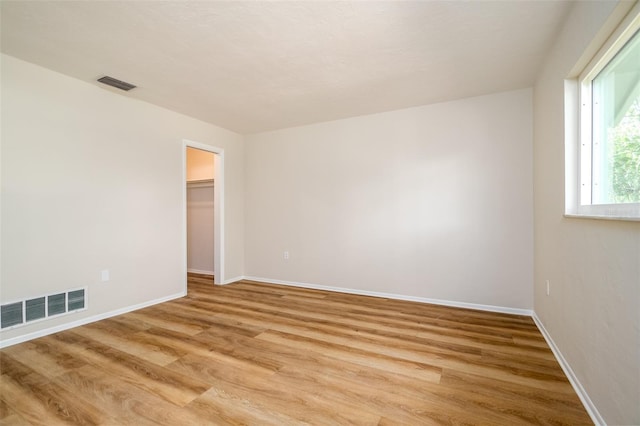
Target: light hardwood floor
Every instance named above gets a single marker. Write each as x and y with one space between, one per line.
251 353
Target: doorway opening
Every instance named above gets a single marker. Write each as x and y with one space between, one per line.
203 218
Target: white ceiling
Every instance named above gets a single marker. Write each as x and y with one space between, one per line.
254 66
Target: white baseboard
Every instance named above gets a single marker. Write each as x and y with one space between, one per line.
87 320
573 379
233 280
200 271
490 308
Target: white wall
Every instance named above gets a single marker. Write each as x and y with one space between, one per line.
93 180
593 310
433 202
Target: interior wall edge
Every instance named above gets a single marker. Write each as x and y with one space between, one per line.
199 271
451 303
233 280
568 371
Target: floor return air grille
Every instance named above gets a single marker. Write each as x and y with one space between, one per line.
43 307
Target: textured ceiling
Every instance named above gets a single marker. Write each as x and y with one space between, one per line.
254 66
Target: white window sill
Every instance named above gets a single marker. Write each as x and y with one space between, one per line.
584 216
625 212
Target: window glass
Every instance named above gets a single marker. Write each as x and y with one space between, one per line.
615 97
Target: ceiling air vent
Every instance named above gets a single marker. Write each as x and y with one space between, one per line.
122 85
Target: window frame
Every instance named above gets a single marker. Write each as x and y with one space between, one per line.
578 130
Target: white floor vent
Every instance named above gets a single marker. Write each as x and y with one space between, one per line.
39 308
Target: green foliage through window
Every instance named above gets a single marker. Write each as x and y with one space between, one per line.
625 156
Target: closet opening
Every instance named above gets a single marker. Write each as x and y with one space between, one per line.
203 188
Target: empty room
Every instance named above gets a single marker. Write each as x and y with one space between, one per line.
320 212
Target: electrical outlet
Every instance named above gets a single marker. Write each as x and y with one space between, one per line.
104 275
286 255
548 288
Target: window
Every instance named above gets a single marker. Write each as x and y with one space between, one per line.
609 129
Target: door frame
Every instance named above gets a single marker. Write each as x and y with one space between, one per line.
218 208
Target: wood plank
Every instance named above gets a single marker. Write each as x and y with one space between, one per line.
43 358
266 392
45 398
130 344
133 407
26 404
220 407
163 382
